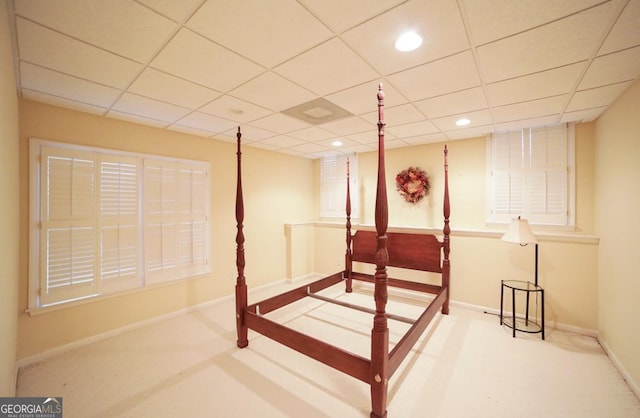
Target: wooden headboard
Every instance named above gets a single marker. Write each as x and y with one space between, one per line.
412 251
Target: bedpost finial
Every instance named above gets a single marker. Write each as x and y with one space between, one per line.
380 93
239 134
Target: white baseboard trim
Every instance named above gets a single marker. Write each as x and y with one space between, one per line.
633 385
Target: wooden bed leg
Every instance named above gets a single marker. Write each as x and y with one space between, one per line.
379 364
241 284
347 257
379 375
446 211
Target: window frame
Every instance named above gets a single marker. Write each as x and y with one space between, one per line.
335 189
568 220
102 219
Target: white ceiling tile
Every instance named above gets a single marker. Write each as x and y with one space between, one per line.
448 75
348 126
309 148
527 123
437 21
559 43
626 32
249 133
189 130
345 141
120 26
273 92
587 115
356 149
327 68
149 108
454 103
528 110
115 114
262 145
425 139
411 129
494 19
50 49
340 15
282 141
167 88
235 109
275 24
195 58
312 134
477 118
280 123
597 97
368 137
535 86
394 143
56 84
399 115
612 68
175 10
62 102
206 122
362 99
469 132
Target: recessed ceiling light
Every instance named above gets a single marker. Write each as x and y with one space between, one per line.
463 122
408 41
337 143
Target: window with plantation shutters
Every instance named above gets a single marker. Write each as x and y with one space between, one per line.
175 220
105 221
531 175
333 185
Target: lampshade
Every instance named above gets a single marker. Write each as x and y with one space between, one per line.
519 232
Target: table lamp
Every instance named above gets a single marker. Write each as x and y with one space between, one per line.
520 232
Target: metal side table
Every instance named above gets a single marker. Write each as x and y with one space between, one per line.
526 324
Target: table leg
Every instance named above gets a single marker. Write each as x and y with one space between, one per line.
501 298
513 310
542 319
526 314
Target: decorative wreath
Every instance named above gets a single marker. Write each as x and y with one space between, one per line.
412 184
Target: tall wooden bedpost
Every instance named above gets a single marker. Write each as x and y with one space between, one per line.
347 257
241 285
380 332
446 268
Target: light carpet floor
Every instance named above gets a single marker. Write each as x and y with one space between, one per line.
465 365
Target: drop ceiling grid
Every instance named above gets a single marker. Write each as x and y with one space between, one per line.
205 67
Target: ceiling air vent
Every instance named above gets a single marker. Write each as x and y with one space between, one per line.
317 111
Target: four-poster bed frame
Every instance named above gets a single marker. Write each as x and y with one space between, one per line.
411 251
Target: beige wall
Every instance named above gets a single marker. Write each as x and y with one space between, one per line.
8 210
277 189
617 181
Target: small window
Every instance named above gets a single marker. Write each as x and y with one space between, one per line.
105 221
333 186
532 175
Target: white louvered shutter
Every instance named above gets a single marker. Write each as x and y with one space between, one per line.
119 222
529 175
68 230
333 186
161 220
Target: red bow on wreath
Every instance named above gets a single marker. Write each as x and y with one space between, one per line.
412 184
